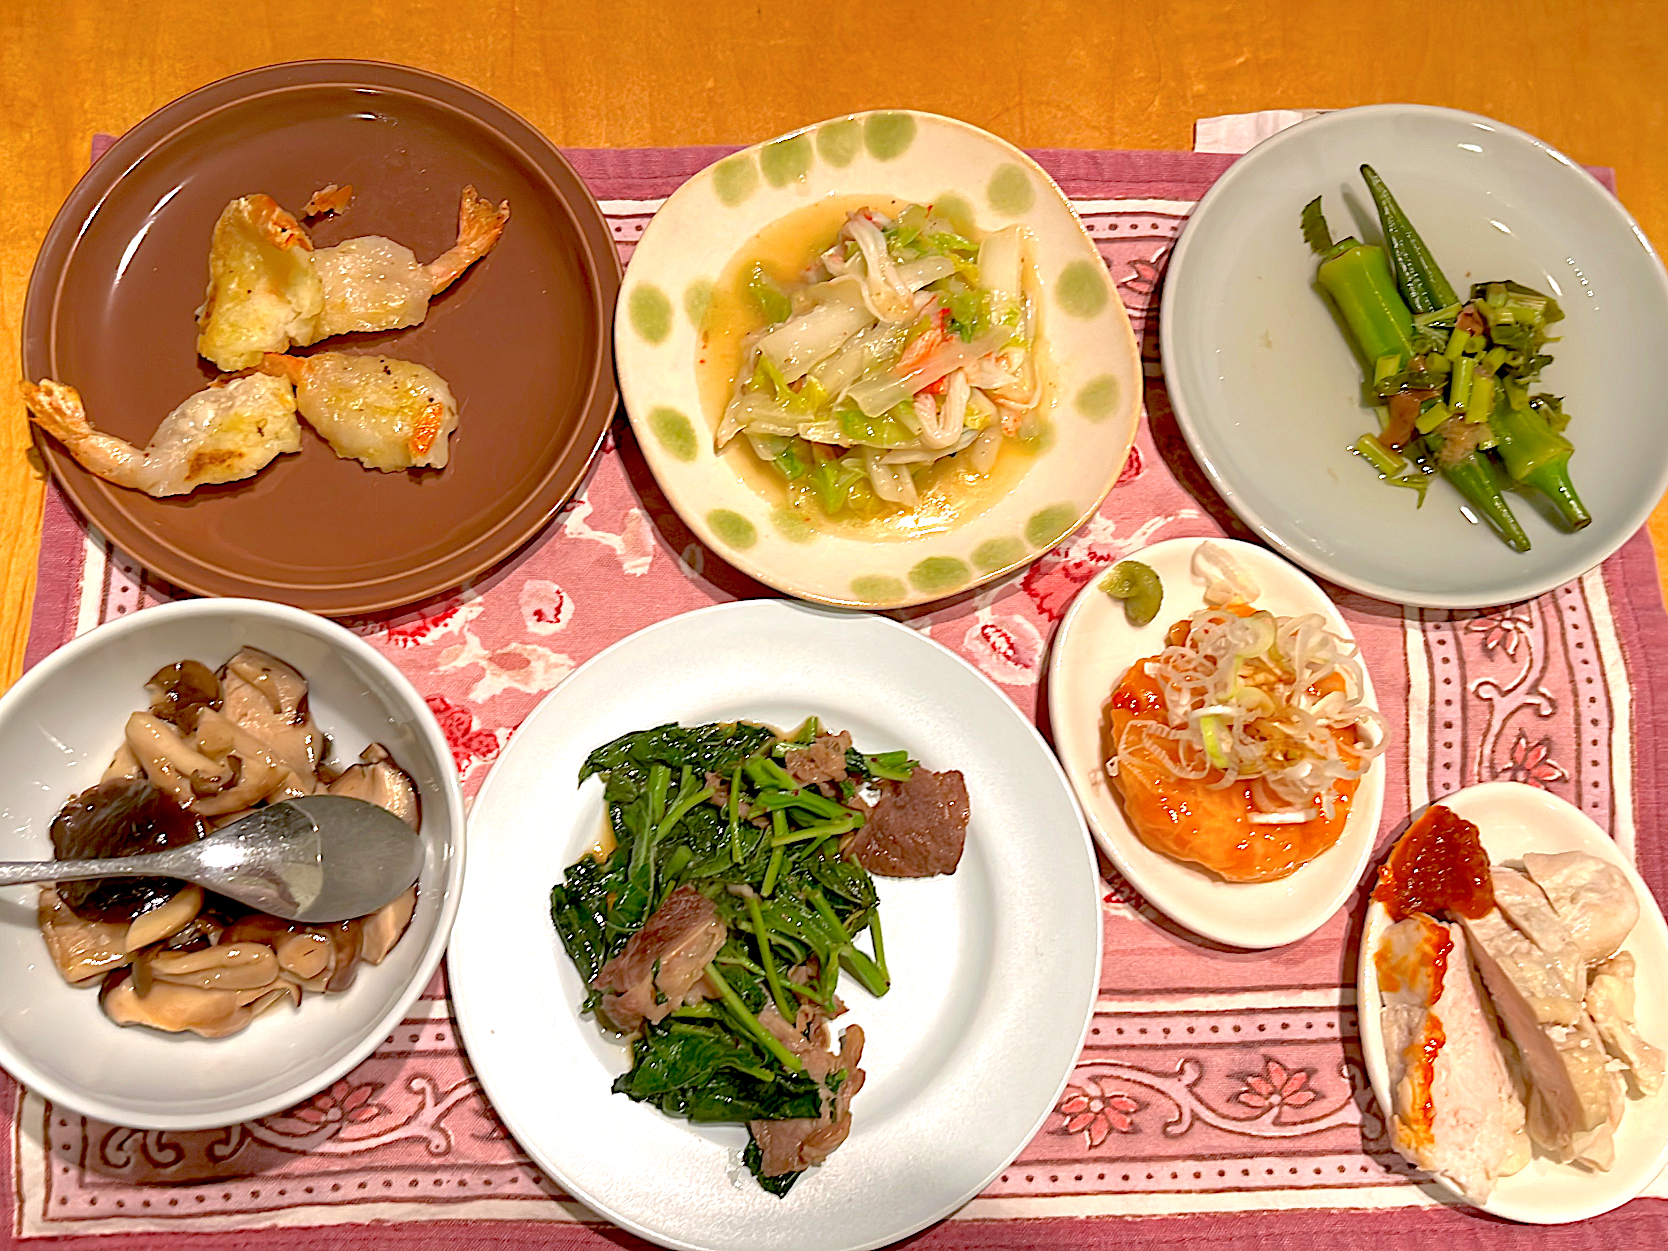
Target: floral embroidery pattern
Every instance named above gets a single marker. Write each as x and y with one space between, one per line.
1532 763
1008 648
1276 1086
341 1103
1503 627
1095 1109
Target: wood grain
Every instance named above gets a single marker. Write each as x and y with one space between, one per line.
1587 77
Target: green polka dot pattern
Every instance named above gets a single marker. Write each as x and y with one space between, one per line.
650 312
1081 290
786 160
838 142
888 135
997 553
1010 192
675 433
735 179
732 528
875 588
1098 397
940 573
697 299
791 526
1046 527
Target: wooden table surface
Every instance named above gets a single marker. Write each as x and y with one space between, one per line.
1585 75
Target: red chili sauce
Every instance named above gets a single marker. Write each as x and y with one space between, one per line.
1438 866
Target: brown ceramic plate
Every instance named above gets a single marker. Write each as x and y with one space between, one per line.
522 337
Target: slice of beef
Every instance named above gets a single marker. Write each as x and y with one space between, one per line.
793 1146
916 828
664 963
823 761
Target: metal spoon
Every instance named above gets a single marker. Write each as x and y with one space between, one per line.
314 859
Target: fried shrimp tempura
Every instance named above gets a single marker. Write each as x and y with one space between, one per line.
263 291
227 432
269 290
386 413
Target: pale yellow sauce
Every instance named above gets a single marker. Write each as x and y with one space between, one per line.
951 493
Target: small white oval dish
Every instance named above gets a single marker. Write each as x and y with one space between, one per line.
1512 819
1095 646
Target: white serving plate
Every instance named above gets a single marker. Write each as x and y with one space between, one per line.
1267 390
1094 648
995 969
1512 819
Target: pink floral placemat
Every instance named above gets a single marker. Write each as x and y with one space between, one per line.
1220 1099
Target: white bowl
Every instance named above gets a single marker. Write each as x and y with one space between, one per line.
1267 389
59 727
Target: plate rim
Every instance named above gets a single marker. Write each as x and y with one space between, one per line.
1203 926
1129 411
1374 921
351 597
1169 336
460 933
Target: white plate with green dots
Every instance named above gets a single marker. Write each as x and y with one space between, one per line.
683 312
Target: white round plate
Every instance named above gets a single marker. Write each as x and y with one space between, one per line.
994 969
1092 365
1092 651
1267 389
1512 819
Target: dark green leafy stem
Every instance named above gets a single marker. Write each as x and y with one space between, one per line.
714 808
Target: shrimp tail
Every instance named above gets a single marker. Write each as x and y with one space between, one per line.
57 409
280 366
327 201
276 225
479 225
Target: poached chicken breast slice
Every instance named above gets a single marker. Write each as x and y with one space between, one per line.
1454 1108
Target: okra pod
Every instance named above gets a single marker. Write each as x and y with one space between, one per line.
1422 281
1473 478
1357 278
1537 457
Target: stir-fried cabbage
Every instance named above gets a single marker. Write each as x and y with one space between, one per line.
906 343
1276 701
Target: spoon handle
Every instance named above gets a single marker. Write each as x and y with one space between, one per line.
155 864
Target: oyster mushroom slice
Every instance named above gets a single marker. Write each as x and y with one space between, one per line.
378 780
384 927
283 687
344 937
172 764
256 774
81 949
229 966
175 1009
124 765
179 690
164 922
306 956
290 735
